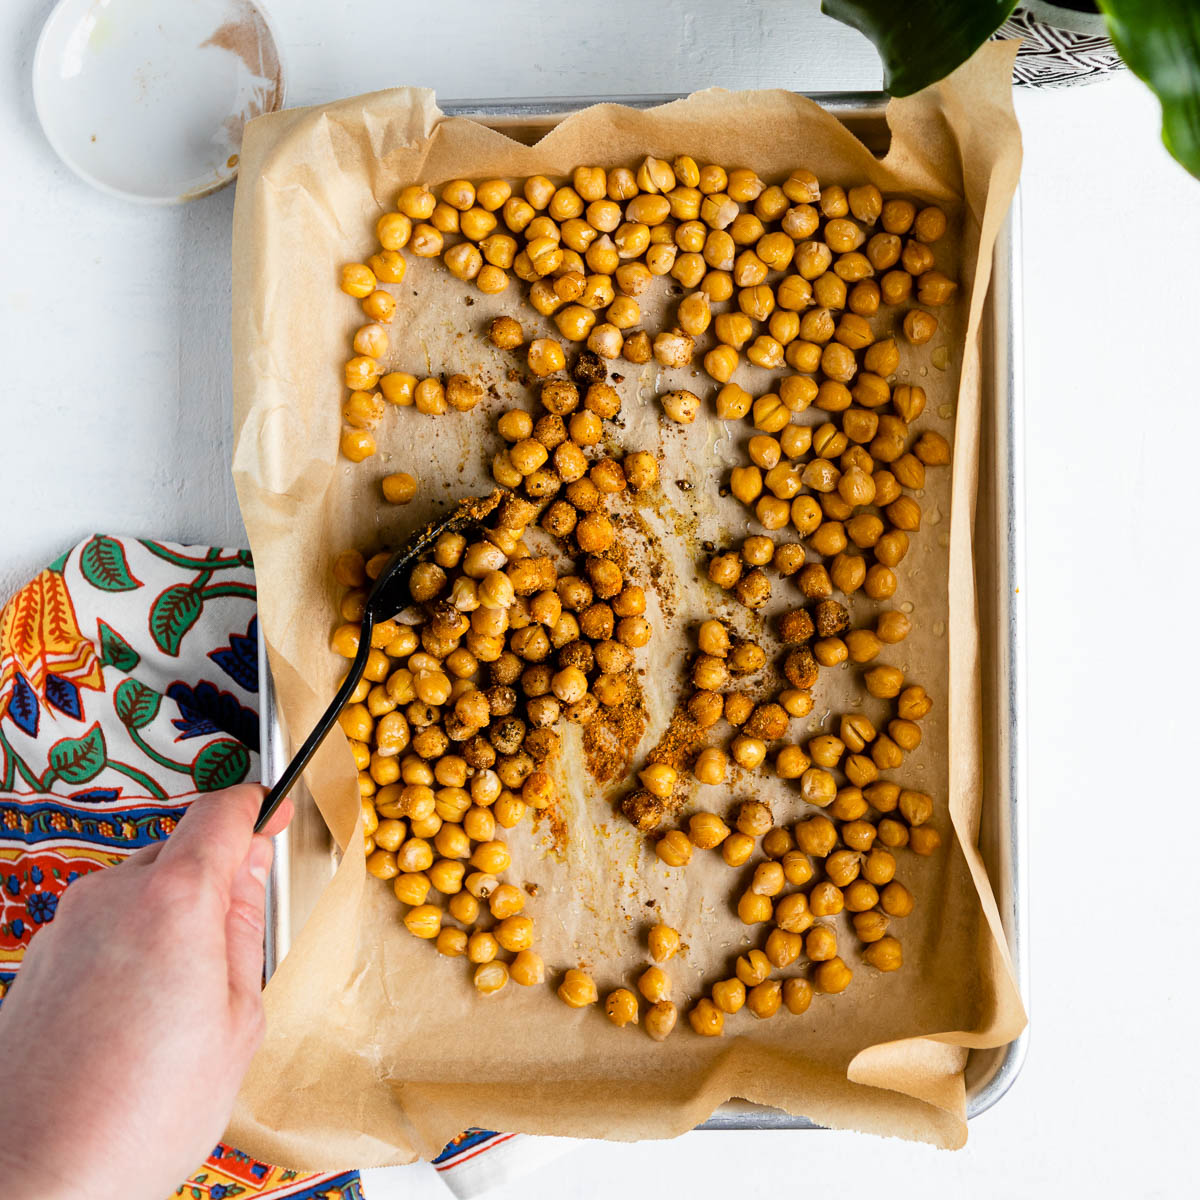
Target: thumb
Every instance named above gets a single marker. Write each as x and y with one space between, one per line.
245 926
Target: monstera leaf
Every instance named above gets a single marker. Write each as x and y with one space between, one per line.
922 41
1160 43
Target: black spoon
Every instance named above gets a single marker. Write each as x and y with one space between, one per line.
388 596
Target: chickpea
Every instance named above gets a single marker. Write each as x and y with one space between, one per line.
792 913
674 849
924 840
654 984
577 989
821 943
753 909
764 999
738 707
729 995
870 926
681 405
768 879
832 976
711 763
753 589
884 682
621 1007
736 849
896 900
545 357
879 867
893 834
706 1019
753 818
791 762
919 326
424 921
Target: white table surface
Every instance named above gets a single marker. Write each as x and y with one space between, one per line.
115 343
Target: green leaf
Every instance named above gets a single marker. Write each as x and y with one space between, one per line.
1160 43
173 614
136 704
115 651
921 41
104 565
220 765
77 760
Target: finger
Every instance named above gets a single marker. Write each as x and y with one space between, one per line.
280 819
214 834
245 926
145 856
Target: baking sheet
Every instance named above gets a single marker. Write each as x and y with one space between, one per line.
372 1022
305 858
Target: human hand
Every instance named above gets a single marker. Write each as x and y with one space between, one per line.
136 1012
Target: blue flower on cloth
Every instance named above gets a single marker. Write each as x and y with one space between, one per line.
12 885
239 660
204 710
218 1191
41 906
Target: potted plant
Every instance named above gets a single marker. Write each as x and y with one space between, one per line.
921 41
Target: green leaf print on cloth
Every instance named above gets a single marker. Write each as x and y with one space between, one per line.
104 565
175 611
136 704
220 764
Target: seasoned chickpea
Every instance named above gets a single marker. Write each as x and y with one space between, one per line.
681 405
621 1007
821 943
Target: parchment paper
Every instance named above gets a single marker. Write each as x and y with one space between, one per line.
378 1050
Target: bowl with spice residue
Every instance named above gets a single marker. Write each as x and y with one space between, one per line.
148 101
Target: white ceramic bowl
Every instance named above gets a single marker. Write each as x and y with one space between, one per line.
147 99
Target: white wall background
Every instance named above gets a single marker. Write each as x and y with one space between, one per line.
115 410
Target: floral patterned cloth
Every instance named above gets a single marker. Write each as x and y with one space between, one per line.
128 686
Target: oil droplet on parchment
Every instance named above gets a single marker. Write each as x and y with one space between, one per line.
935 516
919 493
943 538
940 357
946 411
939 628
924 370
907 606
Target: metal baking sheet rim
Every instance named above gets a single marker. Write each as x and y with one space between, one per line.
989 1073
